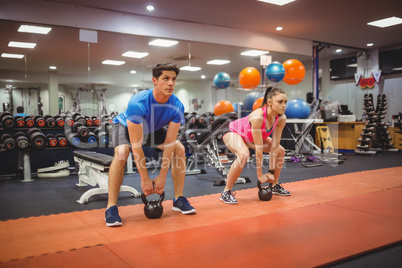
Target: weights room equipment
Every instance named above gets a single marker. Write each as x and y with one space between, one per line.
334 201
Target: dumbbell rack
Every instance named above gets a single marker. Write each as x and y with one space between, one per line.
374 135
382 138
24 134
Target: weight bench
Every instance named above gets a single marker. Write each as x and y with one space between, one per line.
93 170
207 144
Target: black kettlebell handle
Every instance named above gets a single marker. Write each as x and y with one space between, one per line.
259 185
145 200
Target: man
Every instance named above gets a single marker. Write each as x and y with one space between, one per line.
148 112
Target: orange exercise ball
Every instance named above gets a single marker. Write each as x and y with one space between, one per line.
249 78
294 72
223 107
257 104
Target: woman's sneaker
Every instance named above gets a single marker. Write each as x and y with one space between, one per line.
279 190
228 197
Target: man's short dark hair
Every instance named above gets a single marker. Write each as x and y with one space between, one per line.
160 67
20 109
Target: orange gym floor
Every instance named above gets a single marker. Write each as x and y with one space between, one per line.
324 221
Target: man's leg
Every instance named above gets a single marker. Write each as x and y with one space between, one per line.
116 173
178 170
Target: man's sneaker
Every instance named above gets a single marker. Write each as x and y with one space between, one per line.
228 197
112 217
182 205
279 190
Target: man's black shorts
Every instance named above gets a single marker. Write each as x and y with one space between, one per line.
120 136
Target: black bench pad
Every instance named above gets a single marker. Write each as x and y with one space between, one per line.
97 158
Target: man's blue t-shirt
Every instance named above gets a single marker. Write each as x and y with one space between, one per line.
143 108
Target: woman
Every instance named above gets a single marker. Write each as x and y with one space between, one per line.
253 132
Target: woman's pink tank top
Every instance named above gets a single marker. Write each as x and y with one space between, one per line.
242 127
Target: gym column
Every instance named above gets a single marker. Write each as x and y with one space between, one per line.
53 93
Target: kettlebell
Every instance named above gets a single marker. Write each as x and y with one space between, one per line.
264 193
153 209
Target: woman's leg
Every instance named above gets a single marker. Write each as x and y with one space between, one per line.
236 145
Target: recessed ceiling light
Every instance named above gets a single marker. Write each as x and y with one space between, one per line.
391 21
150 8
34 29
370 44
134 54
277 2
163 43
133 72
202 76
113 62
254 53
52 67
190 68
279 28
338 50
21 44
218 62
12 56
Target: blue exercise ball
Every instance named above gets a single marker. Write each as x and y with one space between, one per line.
249 100
239 109
222 80
297 108
275 72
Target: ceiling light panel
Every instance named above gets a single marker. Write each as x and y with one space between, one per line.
254 53
113 62
34 29
163 43
21 44
277 2
190 68
12 56
218 62
134 54
387 22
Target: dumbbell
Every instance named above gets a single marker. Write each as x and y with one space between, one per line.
81 130
49 120
74 139
29 122
91 138
69 120
7 120
79 118
37 138
89 122
39 121
103 137
59 121
19 121
96 120
51 140
61 140
8 141
21 140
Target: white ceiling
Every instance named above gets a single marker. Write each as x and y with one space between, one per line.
342 22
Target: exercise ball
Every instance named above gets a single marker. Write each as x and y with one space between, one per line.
249 78
223 107
249 100
222 80
294 72
239 109
297 108
258 102
275 71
